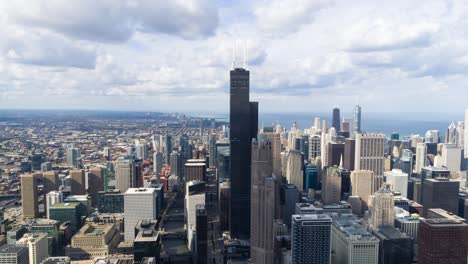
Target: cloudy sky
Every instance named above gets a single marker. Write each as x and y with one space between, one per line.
304 55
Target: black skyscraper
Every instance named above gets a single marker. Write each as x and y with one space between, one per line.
244 126
336 119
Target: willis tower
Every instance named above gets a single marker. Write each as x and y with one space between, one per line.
244 127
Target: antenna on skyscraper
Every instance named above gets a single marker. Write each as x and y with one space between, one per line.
245 59
233 56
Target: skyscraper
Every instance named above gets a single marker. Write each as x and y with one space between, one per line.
398 181
95 183
363 184
276 149
167 147
157 162
78 182
123 174
357 120
311 239
369 154
331 190
442 240
134 200
294 172
336 120
73 157
50 181
244 127
29 195
263 196
314 146
421 153
440 193
381 206
201 240
37 246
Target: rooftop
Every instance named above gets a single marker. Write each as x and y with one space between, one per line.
139 191
11 249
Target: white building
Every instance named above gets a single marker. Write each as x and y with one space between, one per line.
52 198
38 246
353 244
398 181
421 153
465 133
451 157
195 194
139 204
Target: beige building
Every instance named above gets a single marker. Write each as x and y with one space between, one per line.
363 184
381 208
50 181
38 246
29 192
93 240
331 190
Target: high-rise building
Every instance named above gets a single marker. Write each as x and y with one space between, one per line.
142 151
37 245
357 120
351 243
395 246
201 239
157 162
349 154
460 134
311 177
363 184
176 164
336 119
314 146
335 154
276 149
398 181
147 244
167 147
432 136
95 183
29 195
195 171
78 182
244 127
451 134
68 212
212 148
107 153
294 172
311 239
111 201
52 198
50 181
331 189
224 205
194 195
409 225
440 193
14 254
74 157
289 196
263 197
134 200
451 157
442 240
381 208
369 154
124 174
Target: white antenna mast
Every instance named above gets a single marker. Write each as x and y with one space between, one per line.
233 56
245 59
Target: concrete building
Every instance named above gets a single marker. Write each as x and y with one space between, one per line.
29 195
95 183
51 181
409 225
158 162
395 247
398 181
134 200
223 200
195 171
111 201
124 174
263 197
147 242
276 149
201 238
451 157
294 172
363 184
74 157
353 244
194 195
14 254
435 189
331 189
93 240
357 120
37 245
442 241
52 198
78 182
421 154
381 208
369 154
314 146
311 239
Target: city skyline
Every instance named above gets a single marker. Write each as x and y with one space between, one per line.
128 56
